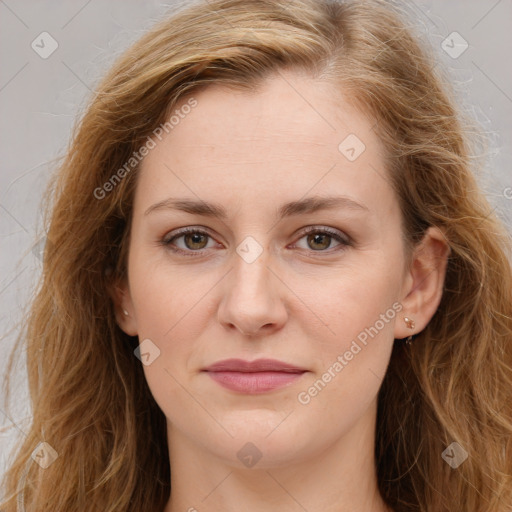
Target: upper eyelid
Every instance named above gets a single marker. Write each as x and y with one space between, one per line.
184 231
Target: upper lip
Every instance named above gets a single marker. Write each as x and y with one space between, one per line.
259 365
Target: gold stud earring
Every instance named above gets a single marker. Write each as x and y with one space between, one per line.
410 325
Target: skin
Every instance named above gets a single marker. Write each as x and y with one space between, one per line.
302 300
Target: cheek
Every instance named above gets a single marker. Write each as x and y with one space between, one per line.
353 352
163 296
170 310
356 299
352 362
166 317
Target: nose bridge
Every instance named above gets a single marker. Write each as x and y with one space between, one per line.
251 298
251 276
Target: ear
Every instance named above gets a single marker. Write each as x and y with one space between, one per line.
121 297
424 282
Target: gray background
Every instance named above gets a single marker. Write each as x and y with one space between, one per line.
40 98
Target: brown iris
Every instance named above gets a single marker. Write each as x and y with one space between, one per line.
317 239
195 240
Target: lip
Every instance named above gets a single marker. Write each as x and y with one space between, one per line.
259 365
254 377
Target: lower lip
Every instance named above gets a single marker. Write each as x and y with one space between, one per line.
256 382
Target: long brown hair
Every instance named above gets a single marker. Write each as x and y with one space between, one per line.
89 397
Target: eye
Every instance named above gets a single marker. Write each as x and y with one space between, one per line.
194 240
319 239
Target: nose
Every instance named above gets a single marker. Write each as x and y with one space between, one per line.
253 301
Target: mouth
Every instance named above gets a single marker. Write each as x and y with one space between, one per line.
254 377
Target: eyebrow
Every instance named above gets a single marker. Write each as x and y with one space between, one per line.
300 207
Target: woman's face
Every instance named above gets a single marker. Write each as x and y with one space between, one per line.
251 283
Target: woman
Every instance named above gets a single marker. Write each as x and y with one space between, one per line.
270 282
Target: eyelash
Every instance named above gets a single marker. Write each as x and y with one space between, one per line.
344 240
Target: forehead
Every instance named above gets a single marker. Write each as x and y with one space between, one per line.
286 108
291 135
